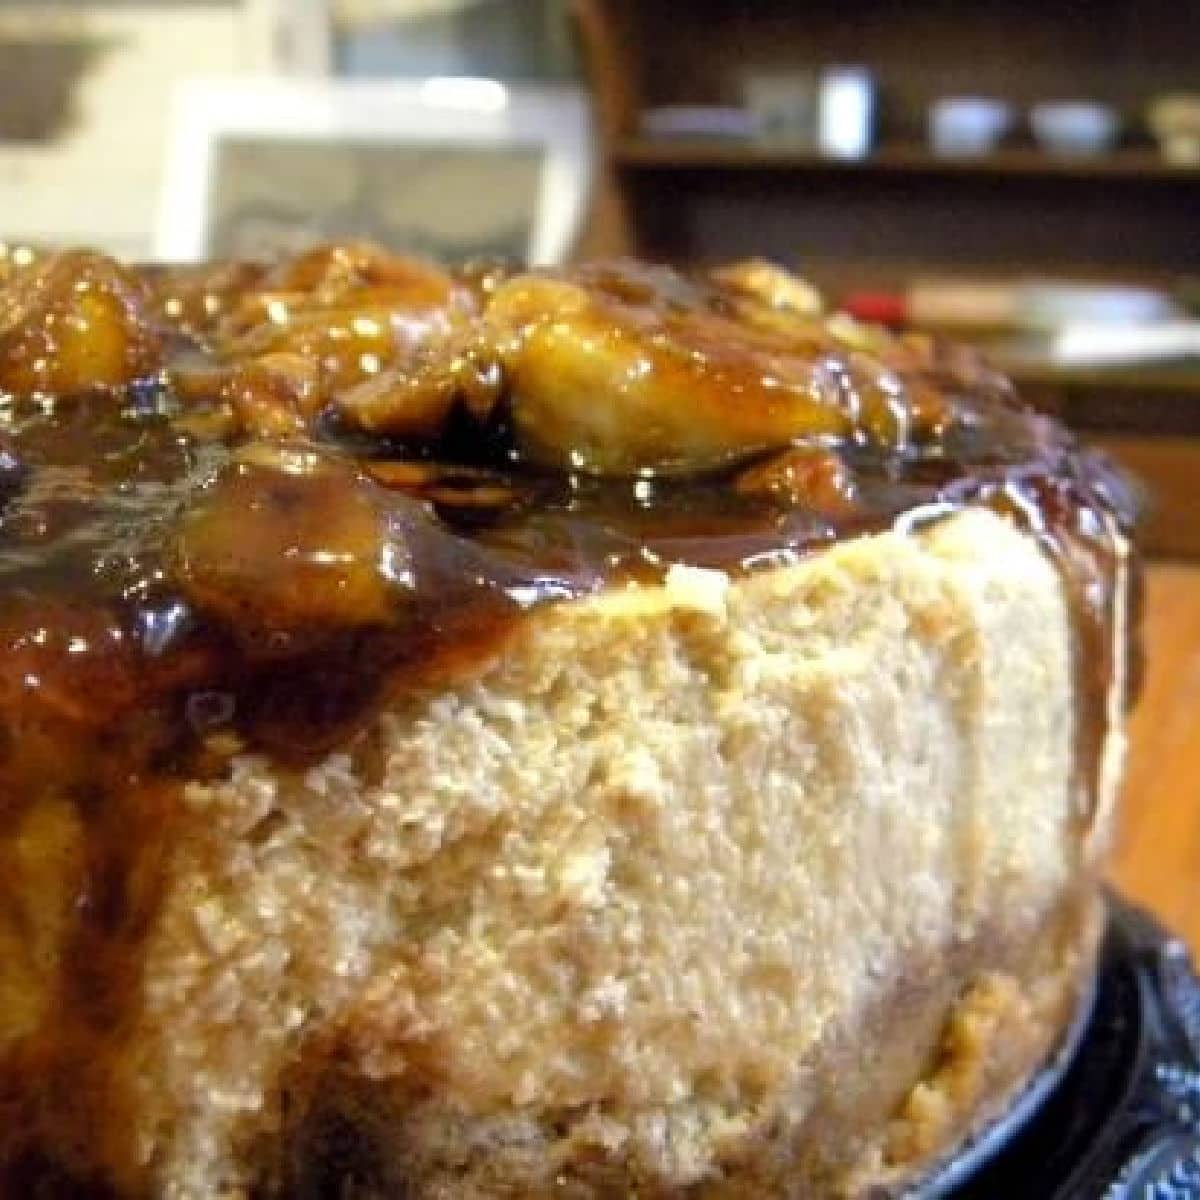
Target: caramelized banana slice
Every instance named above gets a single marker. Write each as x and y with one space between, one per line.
770 285
74 322
295 337
804 476
352 309
193 299
338 268
272 396
414 400
287 538
624 369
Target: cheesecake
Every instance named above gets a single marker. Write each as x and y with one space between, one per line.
593 732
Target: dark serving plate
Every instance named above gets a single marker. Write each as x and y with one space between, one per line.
1116 1116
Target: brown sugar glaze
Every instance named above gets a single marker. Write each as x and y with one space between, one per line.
245 506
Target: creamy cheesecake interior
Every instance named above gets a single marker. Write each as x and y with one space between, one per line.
568 734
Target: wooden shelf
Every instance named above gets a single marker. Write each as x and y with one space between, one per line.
729 155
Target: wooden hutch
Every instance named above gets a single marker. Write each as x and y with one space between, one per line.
1123 216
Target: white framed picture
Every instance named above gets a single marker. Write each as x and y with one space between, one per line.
450 167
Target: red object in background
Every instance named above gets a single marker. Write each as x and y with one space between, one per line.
880 308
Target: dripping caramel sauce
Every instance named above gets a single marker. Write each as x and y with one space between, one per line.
165 593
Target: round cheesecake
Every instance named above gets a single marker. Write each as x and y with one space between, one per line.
580 733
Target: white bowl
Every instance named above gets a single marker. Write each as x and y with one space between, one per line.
968 124
1074 126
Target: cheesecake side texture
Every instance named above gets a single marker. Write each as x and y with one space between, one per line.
688 894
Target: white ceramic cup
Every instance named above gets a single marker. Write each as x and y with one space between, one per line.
965 125
1076 127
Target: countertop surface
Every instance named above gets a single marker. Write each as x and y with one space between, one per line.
1156 859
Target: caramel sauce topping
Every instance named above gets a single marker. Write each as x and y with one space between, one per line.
258 502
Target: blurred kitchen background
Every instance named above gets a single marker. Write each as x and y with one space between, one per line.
1023 173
